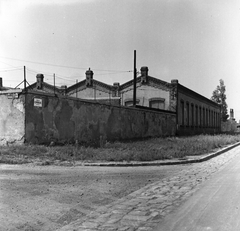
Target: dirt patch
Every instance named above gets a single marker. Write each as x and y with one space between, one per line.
49 197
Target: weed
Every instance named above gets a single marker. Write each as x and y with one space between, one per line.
148 150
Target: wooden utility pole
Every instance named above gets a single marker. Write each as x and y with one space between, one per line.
76 89
134 80
54 82
24 81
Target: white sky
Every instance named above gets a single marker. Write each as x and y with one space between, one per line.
194 41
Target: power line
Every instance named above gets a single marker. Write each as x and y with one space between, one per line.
63 66
8 64
51 74
14 69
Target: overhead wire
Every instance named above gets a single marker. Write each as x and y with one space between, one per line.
57 76
13 69
63 66
51 74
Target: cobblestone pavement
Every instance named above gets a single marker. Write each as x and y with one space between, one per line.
144 209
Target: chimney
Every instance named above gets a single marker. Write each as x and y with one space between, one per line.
116 85
39 78
64 89
174 81
144 74
116 89
1 84
173 91
89 78
231 114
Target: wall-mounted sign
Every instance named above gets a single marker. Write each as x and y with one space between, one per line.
37 102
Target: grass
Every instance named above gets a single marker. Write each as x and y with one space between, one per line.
148 150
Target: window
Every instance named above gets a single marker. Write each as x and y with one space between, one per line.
210 118
192 114
200 116
182 112
157 103
188 114
129 103
196 115
207 117
204 121
214 119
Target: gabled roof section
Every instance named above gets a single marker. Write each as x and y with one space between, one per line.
191 92
46 88
151 82
95 83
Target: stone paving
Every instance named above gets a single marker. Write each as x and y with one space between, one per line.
143 209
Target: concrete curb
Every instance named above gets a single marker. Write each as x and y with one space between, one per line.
167 162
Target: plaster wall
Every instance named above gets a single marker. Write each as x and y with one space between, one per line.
90 93
66 120
12 119
145 93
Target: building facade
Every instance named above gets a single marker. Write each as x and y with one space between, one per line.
194 113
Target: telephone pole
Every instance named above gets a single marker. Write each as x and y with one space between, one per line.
24 73
134 80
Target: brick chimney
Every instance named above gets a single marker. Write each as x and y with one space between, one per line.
231 114
89 78
116 89
144 74
40 78
174 81
64 89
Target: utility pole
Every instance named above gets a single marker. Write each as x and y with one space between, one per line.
76 89
134 80
54 83
24 73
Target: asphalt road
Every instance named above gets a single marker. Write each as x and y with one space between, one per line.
214 207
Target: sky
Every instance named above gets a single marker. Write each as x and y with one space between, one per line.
196 42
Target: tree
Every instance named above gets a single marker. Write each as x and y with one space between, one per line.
219 96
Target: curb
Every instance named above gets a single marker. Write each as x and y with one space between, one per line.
174 162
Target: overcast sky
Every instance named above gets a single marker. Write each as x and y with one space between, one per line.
194 41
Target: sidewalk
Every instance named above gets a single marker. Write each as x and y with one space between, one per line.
145 208
185 160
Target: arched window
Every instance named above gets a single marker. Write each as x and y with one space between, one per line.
129 102
192 114
200 116
182 112
196 115
158 103
188 114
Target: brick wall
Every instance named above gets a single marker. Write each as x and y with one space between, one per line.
196 113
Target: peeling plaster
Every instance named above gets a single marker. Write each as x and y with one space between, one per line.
66 120
12 120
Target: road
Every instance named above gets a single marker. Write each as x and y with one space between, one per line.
215 206
34 198
47 198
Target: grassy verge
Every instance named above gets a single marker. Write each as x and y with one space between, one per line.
148 150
